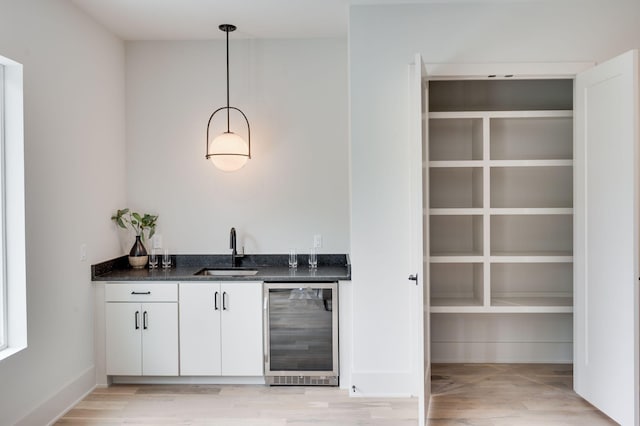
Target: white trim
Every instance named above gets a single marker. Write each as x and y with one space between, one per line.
345 330
14 211
537 70
189 380
54 407
3 278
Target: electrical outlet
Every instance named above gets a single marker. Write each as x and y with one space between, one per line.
317 241
83 252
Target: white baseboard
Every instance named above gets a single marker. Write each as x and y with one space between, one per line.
502 352
54 407
189 380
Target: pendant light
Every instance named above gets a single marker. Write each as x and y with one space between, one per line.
228 151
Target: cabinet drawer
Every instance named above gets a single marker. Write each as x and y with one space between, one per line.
141 292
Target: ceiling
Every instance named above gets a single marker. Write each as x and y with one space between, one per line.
199 19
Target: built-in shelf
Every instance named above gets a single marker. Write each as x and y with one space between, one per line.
456 211
532 257
514 309
460 258
536 137
500 211
457 163
531 186
455 187
455 139
457 284
524 234
460 235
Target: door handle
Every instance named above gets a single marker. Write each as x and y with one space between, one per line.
215 301
224 300
144 320
413 277
137 320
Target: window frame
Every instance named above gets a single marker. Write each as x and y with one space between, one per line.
12 210
3 278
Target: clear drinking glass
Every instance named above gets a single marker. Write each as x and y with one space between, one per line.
293 259
153 258
313 258
166 259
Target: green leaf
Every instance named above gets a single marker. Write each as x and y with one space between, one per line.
137 222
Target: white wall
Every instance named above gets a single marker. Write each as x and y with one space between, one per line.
382 42
75 175
294 93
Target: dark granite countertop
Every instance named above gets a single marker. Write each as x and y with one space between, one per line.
270 267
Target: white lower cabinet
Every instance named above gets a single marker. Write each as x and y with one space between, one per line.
221 329
141 337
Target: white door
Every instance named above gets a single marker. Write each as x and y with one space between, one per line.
241 331
606 238
160 339
123 335
200 309
419 278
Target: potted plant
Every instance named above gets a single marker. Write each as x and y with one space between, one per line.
138 223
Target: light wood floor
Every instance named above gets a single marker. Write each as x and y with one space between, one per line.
242 405
463 394
508 395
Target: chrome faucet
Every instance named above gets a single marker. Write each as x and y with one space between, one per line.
232 246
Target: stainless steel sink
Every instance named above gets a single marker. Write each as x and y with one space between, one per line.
227 272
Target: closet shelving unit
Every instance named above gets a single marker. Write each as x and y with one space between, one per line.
501 206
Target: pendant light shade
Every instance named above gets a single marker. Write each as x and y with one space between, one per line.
228 151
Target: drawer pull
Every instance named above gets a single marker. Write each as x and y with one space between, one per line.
140 292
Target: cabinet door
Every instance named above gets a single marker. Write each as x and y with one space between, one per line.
607 238
123 335
200 308
160 339
242 329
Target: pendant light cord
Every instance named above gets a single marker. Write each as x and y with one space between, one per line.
227 28
228 113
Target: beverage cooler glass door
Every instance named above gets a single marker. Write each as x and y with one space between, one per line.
301 333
